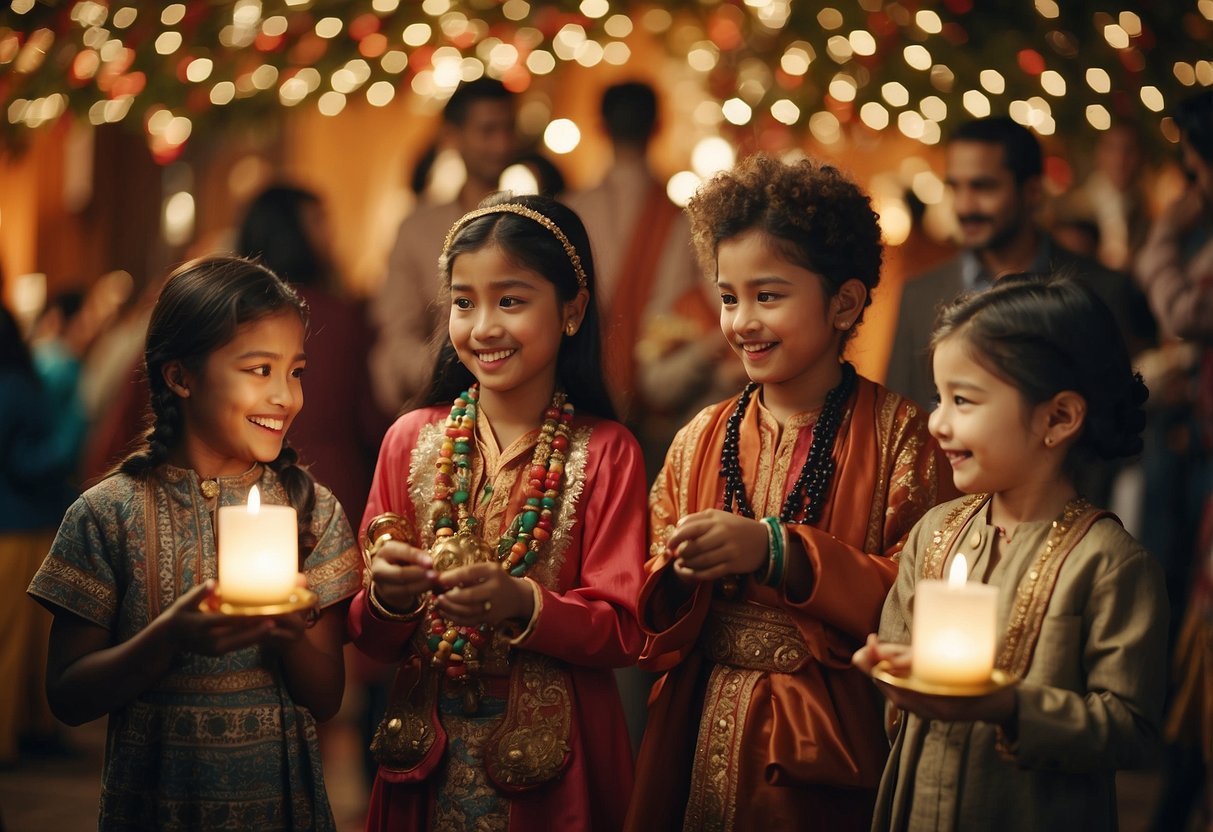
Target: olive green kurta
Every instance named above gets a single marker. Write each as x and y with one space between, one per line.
1089 704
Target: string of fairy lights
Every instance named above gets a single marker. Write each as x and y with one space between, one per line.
177 70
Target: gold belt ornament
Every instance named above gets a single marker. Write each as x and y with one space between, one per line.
753 637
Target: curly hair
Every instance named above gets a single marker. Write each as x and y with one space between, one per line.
817 218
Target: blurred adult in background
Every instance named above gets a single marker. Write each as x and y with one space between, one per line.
537 174
338 433
1176 269
1076 233
995 173
1114 197
57 344
665 357
114 390
42 428
478 123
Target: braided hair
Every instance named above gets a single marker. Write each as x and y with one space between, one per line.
202 305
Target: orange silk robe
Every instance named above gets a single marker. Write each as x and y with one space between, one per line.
735 747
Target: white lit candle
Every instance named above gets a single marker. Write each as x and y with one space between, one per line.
953 630
258 552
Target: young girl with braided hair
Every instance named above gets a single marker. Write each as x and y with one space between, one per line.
1033 376
212 717
776 523
505 545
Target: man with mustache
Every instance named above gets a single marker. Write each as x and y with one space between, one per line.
995 175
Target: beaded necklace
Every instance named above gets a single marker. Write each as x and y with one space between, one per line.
804 502
457 647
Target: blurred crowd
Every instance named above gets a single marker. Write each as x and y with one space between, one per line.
1141 228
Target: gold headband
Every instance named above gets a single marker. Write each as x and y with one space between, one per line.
529 213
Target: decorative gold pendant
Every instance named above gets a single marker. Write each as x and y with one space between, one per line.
462 549
210 489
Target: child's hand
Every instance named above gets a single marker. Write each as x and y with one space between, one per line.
484 593
209 633
712 544
874 652
998 708
400 573
288 628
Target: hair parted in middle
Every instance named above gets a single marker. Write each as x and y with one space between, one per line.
532 245
816 217
202 306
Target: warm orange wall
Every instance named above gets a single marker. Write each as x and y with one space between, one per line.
114 226
19 192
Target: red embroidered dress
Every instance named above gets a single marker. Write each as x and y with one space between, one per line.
551 692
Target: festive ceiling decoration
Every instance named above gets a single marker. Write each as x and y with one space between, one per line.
177 70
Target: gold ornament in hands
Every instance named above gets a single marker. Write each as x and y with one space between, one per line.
458 550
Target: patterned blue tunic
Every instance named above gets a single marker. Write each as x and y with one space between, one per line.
216 743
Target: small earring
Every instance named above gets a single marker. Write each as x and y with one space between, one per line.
570 328
843 324
1049 441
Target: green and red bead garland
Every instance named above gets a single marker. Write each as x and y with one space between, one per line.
456 647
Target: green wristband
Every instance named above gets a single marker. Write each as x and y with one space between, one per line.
776 556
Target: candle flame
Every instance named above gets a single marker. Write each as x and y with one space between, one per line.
254 501
959 573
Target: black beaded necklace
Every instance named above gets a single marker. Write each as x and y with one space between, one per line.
818 470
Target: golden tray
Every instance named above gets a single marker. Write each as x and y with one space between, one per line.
998 680
299 599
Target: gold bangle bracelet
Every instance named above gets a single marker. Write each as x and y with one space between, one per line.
383 612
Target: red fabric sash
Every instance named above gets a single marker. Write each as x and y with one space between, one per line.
636 279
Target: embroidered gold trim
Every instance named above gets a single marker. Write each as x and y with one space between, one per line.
944 538
157 529
753 637
421 481
221 683
406 733
531 745
774 459
886 467
1035 589
103 598
320 578
685 459
712 805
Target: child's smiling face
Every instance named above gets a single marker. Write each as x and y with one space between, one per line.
992 438
507 324
777 318
238 409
